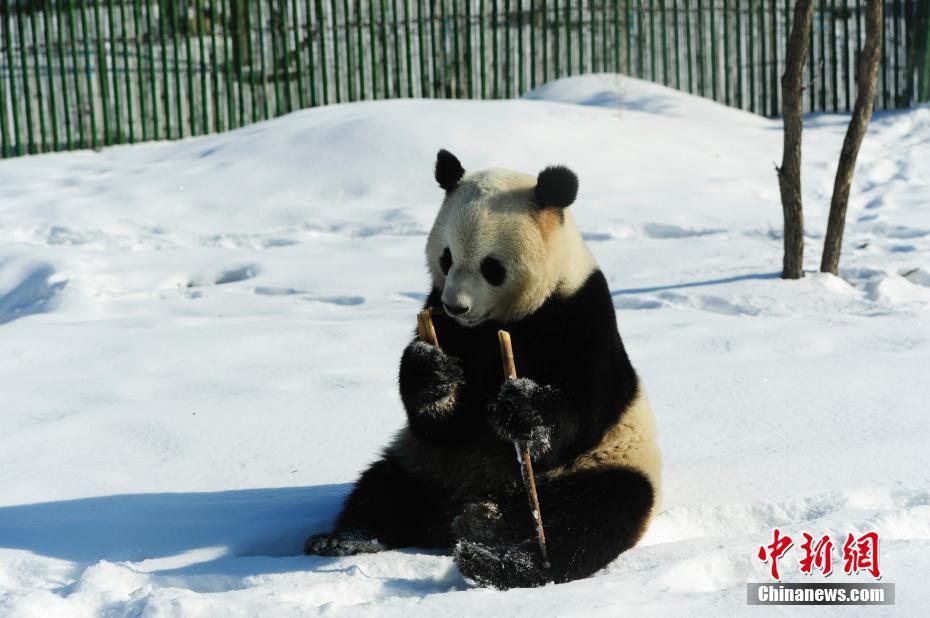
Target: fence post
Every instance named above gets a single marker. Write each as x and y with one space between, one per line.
166 101
4 130
406 40
53 99
153 80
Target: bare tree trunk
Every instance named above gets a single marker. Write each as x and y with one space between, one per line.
789 174
866 75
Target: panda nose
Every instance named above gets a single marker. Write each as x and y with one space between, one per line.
455 309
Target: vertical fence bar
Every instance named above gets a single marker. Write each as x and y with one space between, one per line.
469 73
189 60
533 58
726 52
701 59
763 73
581 67
846 76
119 138
665 64
359 34
24 69
407 41
279 29
557 39
77 82
250 50
273 21
520 54
385 73
508 53
166 102
616 6
153 80
372 46
127 74
40 98
750 32
421 47
773 37
228 80
834 69
811 61
482 50
311 65
739 54
884 51
350 57
263 75
544 24
89 78
593 37
652 40
337 63
823 55
137 20
176 56
628 26
102 75
676 43
897 43
568 37
49 76
395 35
606 59
324 67
688 54
202 61
63 75
713 49
14 96
435 54
214 71
640 40
7 140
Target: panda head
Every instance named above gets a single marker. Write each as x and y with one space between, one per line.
503 241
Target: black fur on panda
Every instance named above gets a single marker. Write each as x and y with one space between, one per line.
505 253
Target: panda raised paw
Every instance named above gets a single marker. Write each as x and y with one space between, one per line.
434 375
502 567
341 544
517 413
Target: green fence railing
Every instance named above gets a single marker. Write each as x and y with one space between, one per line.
90 73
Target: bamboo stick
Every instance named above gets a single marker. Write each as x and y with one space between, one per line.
523 451
425 327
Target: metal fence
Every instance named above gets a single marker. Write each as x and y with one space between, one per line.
88 73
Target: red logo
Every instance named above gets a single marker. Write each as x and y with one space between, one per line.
859 553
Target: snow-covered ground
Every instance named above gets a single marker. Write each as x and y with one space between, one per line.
199 342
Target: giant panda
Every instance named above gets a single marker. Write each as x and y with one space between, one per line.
505 253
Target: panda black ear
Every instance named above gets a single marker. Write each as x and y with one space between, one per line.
448 170
556 187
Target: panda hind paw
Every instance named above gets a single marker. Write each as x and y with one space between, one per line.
517 566
341 544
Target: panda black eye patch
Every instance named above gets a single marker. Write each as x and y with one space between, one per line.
493 271
445 261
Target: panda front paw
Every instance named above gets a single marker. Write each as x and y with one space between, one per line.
502 567
516 413
341 544
430 379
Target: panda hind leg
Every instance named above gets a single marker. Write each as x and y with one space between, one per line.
388 508
590 517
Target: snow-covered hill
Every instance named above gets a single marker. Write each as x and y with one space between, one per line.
199 341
